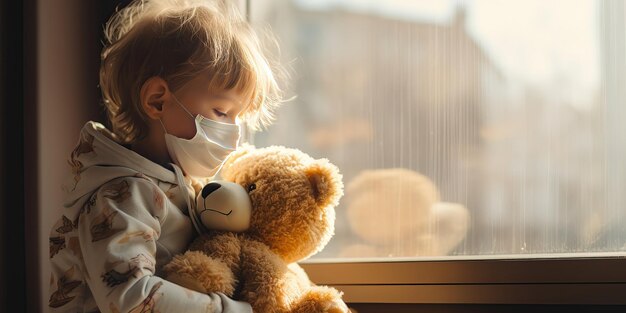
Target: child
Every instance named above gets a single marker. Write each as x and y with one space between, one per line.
178 77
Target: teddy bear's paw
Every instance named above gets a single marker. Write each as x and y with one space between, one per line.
322 306
197 271
323 300
335 306
186 281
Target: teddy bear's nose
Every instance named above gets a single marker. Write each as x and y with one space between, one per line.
209 188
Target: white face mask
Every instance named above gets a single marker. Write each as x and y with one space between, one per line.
204 154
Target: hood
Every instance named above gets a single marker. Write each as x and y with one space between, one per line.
97 159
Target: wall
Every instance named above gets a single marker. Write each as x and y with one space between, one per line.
68 94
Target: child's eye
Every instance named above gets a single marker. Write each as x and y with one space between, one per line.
220 114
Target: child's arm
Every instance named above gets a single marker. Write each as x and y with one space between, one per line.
118 234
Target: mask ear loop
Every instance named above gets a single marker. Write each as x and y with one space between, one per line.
195 119
165 130
182 106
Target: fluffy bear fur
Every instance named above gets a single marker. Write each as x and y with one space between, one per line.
292 218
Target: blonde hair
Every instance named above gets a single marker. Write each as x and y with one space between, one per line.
178 40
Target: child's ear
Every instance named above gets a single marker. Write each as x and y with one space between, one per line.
153 94
326 183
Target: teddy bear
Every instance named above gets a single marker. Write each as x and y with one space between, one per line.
292 198
398 212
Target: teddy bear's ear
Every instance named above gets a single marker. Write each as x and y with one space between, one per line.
242 150
325 181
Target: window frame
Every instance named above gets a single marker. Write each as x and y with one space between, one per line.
562 279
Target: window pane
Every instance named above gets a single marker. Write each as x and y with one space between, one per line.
461 127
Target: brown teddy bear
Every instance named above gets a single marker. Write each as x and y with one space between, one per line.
293 199
398 212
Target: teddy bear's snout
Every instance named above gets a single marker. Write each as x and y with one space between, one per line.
209 188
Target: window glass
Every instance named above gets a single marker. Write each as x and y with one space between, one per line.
462 128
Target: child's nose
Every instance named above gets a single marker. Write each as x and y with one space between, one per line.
209 188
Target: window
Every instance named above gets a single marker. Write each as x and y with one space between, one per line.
468 132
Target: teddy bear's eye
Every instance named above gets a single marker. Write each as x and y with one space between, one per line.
251 187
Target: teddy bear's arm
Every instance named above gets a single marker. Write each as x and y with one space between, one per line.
223 246
197 271
210 265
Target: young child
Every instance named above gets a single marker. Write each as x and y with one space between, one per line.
178 78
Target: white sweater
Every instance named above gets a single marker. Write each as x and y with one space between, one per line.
124 218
